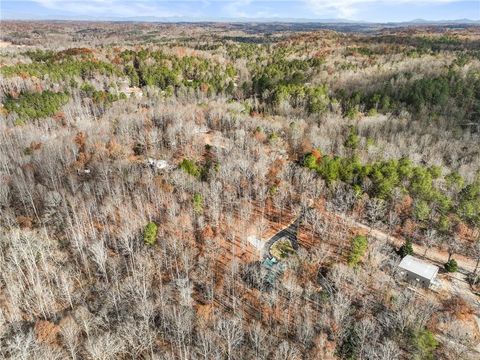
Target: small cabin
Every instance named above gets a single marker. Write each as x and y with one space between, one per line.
419 271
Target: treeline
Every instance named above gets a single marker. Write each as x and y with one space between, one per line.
437 200
450 94
283 72
274 79
168 72
284 80
100 96
60 66
432 43
35 105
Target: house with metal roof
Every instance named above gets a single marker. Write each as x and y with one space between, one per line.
422 272
273 270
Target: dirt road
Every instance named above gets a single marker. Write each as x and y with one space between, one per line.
465 265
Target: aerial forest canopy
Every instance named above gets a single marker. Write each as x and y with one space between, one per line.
234 191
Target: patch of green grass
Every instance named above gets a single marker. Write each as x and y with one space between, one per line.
282 249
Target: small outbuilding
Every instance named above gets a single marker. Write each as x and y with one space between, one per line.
157 164
418 270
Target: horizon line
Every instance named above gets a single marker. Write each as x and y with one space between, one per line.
240 19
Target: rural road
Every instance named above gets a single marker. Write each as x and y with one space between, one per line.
465 265
289 232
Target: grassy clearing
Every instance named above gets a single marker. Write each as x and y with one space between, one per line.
282 249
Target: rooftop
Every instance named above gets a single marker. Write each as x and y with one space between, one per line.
419 267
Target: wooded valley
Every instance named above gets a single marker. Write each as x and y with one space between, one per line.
224 191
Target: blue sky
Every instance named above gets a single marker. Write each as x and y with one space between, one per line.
364 10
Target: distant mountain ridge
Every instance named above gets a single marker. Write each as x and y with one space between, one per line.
188 19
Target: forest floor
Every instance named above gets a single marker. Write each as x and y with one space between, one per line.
436 256
439 257
451 283
5 44
289 232
278 224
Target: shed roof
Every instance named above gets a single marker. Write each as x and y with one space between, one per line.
419 267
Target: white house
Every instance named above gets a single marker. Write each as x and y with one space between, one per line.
418 270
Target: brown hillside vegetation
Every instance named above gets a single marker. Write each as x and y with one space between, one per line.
147 170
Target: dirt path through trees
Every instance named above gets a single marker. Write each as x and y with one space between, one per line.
438 256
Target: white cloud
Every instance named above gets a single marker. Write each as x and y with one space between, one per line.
348 8
225 8
109 7
236 8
